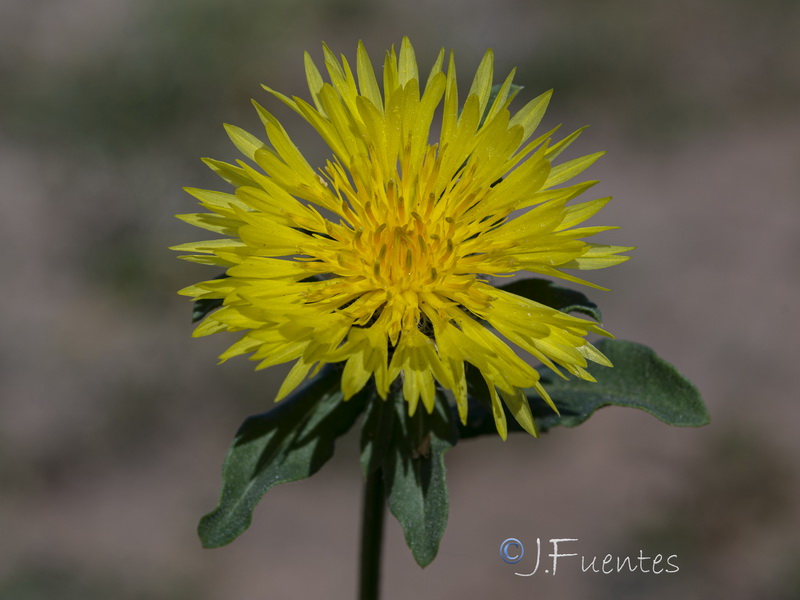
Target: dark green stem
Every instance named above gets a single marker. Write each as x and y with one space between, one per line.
372 517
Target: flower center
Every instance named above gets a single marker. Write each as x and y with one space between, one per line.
404 244
413 255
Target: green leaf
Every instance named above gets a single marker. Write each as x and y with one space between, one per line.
638 379
545 292
376 434
290 442
414 474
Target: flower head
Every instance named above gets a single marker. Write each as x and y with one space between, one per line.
380 259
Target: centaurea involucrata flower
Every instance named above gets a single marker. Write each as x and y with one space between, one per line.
381 258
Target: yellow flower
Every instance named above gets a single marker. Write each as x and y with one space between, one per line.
380 259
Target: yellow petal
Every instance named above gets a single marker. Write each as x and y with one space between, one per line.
570 169
367 83
482 83
531 114
295 377
245 142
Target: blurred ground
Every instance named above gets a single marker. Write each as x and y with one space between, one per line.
113 423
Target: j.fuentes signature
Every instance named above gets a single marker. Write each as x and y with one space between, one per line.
512 552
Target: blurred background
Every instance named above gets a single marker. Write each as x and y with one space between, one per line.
114 423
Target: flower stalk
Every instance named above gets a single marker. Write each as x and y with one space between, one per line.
373 515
